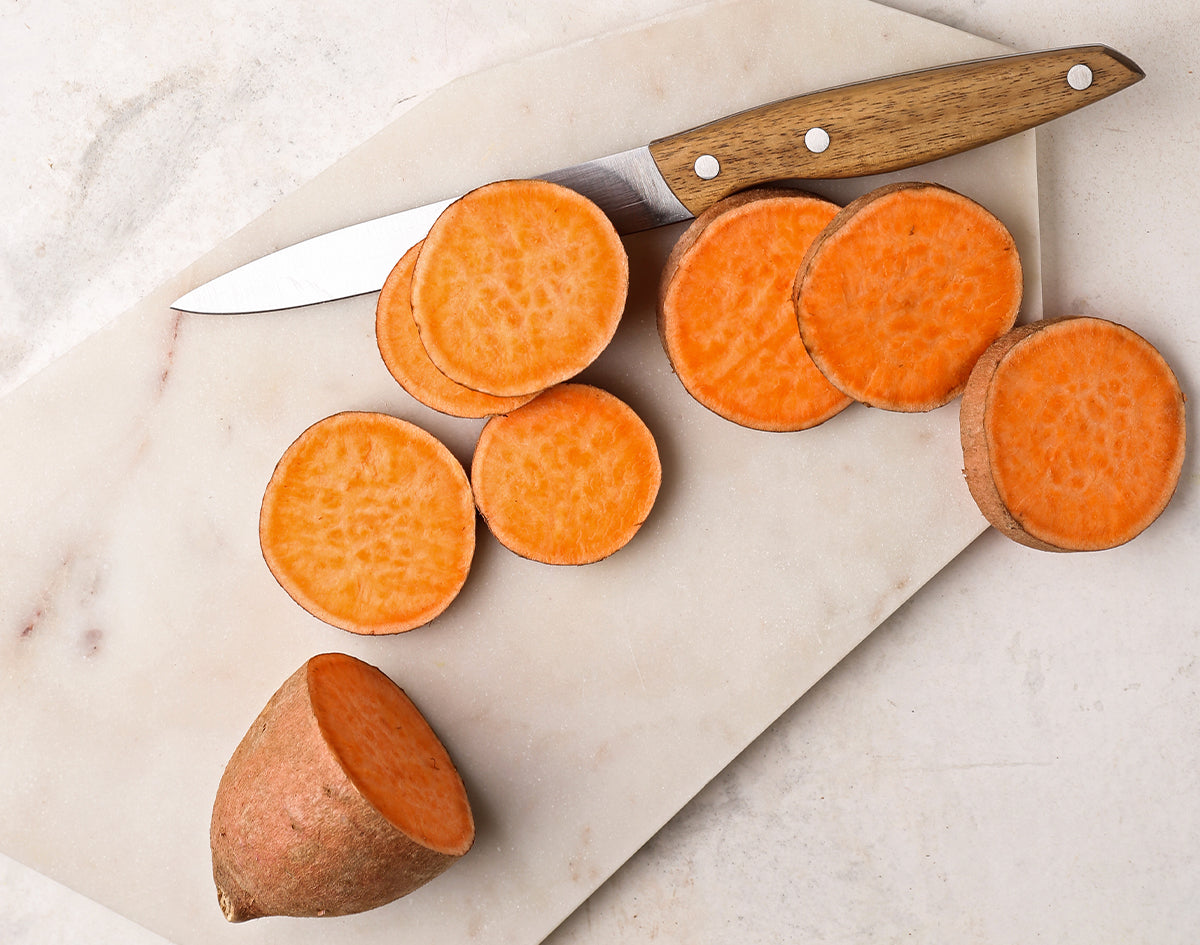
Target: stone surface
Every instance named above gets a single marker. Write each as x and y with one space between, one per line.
1011 755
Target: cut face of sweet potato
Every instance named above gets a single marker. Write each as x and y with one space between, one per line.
903 291
725 312
568 478
340 798
390 753
1073 434
406 359
520 285
368 523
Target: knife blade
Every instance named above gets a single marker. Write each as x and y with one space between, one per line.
855 130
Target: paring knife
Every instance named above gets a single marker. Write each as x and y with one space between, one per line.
855 130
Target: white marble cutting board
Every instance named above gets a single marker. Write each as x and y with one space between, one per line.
140 631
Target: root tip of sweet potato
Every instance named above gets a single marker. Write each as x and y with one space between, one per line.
235 905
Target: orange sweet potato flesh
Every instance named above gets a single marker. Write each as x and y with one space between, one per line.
340 798
1073 434
400 346
368 522
520 284
569 478
725 313
903 291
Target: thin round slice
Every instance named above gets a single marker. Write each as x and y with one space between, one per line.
1073 434
406 359
520 285
368 523
725 312
340 798
903 291
568 478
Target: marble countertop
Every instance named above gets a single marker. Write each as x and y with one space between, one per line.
1012 755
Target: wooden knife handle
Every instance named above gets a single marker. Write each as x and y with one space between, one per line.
887 124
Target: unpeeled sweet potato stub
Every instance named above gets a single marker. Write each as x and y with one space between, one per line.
340 798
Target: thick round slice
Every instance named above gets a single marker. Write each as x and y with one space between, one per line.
406 359
1073 434
568 478
903 291
725 312
520 285
368 523
339 799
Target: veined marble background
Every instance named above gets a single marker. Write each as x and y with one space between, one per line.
1012 756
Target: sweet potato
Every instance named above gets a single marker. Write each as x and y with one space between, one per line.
368 523
400 346
340 798
901 293
1073 434
520 285
568 478
725 312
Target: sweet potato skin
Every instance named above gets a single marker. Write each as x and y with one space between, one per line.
292 836
974 440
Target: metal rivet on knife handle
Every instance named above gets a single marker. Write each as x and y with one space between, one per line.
816 140
1079 77
707 167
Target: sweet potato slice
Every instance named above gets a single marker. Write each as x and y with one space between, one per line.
406 359
903 291
368 523
568 478
340 798
520 285
725 312
1073 434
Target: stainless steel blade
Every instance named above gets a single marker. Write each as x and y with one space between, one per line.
627 186
335 265
356 259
